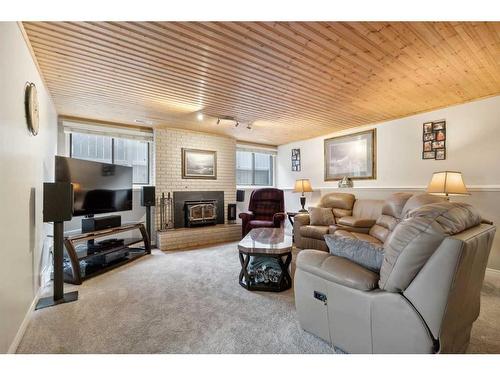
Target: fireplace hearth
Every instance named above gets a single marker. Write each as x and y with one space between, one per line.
198 208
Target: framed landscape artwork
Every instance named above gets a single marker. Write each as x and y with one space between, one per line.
199 164
352 156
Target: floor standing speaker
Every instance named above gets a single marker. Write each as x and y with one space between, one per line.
148 199
57 208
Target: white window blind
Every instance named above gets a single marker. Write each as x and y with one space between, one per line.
114 145
255 166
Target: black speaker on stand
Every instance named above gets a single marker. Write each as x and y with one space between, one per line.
148 200
57 208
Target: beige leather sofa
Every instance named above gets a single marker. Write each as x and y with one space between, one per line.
367 219
425 298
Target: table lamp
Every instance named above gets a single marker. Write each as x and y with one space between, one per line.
302 186
447 183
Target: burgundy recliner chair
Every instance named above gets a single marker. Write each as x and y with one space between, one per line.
267 210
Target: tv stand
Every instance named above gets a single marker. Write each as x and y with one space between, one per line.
85 258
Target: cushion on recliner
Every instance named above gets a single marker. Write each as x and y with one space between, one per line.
417 237
419 200
353 221
367 208
367 238
340 212
361 252
321 216
313 231
391 213
337 200
359 236
393 206
336 269
344 233
260 223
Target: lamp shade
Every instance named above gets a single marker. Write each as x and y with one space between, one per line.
302 186
447 183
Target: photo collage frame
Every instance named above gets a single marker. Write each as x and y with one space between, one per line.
434 140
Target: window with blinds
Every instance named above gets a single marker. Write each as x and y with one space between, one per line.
112 148
254 168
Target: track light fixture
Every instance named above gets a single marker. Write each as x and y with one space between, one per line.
231 118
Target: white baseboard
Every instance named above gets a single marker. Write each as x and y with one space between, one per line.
22 328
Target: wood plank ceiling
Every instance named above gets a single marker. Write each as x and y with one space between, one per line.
290 80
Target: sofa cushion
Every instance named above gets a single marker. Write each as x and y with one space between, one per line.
367 208
394 204
321 216
367 238
337 200
419 200
359 236
260 223
361 252
340 212
313 231
417 237
359 222
336 269
343 233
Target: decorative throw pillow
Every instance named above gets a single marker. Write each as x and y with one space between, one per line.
321 216
364 253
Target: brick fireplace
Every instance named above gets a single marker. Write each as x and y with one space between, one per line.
195 193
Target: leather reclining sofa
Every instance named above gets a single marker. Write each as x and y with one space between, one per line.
367 219
425 297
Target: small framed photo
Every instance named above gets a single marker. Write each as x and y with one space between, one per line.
427 146
440 135
438 125
428 127
429 136
437 144
429 155
441 154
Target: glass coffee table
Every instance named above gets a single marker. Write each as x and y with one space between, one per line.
265 256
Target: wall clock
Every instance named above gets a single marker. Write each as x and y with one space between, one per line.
31 107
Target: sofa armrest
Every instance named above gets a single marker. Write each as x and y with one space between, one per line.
246 216
356 222
302 219
336 269
299 220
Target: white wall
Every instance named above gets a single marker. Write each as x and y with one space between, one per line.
25 162
473 147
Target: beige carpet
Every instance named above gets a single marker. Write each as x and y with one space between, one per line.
191 302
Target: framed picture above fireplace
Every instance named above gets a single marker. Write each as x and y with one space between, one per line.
199 164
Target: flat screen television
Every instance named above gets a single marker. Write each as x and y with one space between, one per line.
97 187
